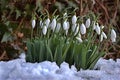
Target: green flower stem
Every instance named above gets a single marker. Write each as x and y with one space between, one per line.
32 34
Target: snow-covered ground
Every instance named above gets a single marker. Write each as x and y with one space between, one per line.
18 69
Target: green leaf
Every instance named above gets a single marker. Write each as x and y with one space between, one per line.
7 37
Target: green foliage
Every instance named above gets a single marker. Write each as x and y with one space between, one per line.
59 49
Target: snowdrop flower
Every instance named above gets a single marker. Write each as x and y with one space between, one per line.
68 25
79 35
102 27
65 25
104 35
33 23
74 19
74 27
58 27
97 29
44 30
79 39
94 26
82 29
76 30
41 24
101 38
47 22
87 23
113 35
53 24
65 14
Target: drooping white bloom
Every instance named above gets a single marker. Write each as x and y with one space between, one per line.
33 23
41 23
76 30
74 19
104 35
82 29
94 26
79 35
113 35
101 38
102 27
97 29
44 30
68 24
73 27
53 24
47 22
87 23
65 25
79 39
58 27
65 14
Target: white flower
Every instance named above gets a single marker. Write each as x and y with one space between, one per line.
87 23
74 19
58 27
33 23
101 38
104 35
65 25
47 22
53 24
97 29
73 27
68 25
94 26
79 39
82 29
41 24
77 29
102 27
79 35
113 35
65 14
44 30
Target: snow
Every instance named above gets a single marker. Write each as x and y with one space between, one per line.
19 69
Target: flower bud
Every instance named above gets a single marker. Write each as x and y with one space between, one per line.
101 38
87 23
102 27
97 29
53 24
68 25
58 27
44 30
79 39
74 19
41 24
33 23
65 25
113 35
82 29
104 35
47 22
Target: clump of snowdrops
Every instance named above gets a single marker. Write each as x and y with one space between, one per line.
67 37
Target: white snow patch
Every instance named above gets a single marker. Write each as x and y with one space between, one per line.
19 69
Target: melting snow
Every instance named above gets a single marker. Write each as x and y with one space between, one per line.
19 69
